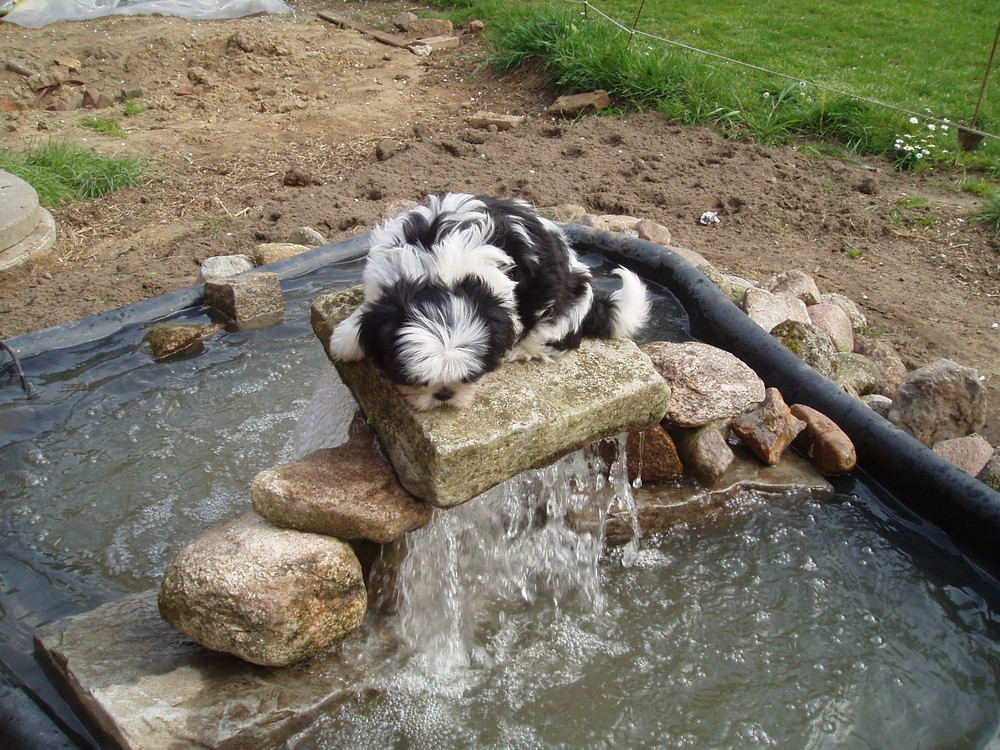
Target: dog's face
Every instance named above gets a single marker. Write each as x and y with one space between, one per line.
434 342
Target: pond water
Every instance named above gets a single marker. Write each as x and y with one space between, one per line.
842 624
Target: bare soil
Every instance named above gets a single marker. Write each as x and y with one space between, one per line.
261 125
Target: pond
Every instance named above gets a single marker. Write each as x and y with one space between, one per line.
849 623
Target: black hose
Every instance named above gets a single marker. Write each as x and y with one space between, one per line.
962 506
25 384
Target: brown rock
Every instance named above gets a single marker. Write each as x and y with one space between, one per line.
573 105
652 456
267 595
349 492
166 339
486 120
422 28
970 453
768 428
832 320
650 230
706 453
823 442
271 252
706 383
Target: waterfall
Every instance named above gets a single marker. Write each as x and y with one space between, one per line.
537 538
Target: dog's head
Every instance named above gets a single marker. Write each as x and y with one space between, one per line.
435 341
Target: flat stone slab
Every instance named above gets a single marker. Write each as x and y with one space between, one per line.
18 209
38 240
525 415
661 507
139 683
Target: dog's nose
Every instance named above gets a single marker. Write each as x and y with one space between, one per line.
444 394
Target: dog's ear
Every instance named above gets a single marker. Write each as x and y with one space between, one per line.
345 345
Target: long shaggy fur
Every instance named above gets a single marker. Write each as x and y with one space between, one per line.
457 286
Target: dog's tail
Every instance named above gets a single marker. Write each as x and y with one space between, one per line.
622 313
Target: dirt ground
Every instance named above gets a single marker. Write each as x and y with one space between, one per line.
261 125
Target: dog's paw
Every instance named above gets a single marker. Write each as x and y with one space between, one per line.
344 343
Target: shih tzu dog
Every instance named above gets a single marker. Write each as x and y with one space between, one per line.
463 283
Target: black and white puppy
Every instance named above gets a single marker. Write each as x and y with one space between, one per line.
463 283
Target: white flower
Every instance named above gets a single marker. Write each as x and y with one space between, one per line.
944 127
914 120
931 126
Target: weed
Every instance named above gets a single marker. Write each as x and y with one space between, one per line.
105 125
977 186
989 213
853 252
216 225
62 171
134 107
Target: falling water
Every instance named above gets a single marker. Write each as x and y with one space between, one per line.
536 537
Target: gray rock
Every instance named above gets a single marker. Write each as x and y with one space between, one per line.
706 383
403 20
705 452
329 309
734 287
990 474
662 507
246 298
349 492
832 320
796 283
769 310
147 686
808 343
768 428
856 372
878 403
858 320
887 360
224 266
940 401
525 415
267 595
970 453
307 236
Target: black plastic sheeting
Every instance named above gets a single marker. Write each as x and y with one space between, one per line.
960 505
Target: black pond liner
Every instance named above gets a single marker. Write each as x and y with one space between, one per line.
959 505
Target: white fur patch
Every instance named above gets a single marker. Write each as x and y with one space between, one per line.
632 304
445 349
344 343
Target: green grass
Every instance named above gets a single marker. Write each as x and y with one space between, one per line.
928 59
105 125
61 171
989 213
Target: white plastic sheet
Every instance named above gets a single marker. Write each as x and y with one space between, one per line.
35 14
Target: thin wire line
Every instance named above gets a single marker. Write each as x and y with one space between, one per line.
820 86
